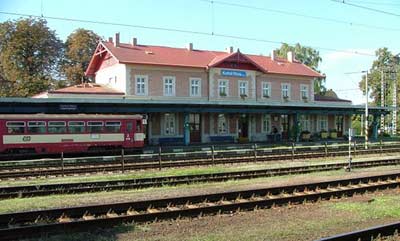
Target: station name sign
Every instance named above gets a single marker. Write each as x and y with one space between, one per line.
233 73
68 107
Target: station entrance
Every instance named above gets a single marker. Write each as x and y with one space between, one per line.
195 125
244 126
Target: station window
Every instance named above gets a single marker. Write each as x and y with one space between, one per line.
305 123
304 91
141 84
169 124
76 127
243 89
36 127
323 123
266 123
286 91
266 90
95 126
195 87
113 126
15 127
222 88
169 86
57 127
222 124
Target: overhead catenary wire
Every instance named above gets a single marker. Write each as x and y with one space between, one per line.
296 14
366 8
178 30
376 3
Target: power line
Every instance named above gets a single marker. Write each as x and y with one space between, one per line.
376 3
366 8
179 31
332 20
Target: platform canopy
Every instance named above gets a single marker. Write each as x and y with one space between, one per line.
130 106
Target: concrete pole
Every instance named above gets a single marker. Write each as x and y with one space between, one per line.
394 116
366 110
382 102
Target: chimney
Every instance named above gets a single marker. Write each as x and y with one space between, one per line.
110 39
116 43
290 56
190 46
273 57
134 41
229 50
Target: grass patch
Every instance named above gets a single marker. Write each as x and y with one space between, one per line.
377 207
94 235
53 201
179 171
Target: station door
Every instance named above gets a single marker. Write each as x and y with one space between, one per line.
194 125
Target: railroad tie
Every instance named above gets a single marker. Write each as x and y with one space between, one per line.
111 214
131 211
87 216
63 219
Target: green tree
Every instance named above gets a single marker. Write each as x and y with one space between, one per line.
29 56
79 48
384 66
307 56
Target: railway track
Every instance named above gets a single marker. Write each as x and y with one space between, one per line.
51 221
40 168
367 234
69 188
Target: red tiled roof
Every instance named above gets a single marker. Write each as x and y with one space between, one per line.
168 56
87 88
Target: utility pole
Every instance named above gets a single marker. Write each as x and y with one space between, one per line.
366 109
382 102
394 117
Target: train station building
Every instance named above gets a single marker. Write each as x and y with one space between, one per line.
199 96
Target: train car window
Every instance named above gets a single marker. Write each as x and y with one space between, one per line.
15 127
113 126
56 127
129 127
36 127
95 126
138 126
76 126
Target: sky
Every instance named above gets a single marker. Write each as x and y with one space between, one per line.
266 20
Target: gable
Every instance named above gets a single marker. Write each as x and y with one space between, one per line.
235 60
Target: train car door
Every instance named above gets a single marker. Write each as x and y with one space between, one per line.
139 134
129 134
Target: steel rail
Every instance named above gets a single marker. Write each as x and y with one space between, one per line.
366 234
138 183
35 223
37 171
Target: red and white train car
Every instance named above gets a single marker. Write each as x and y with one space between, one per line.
45 133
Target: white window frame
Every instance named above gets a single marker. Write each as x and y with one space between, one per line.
305 122
266 118
172 84
304 89
146 84
222 119
220 81
246 87
288 90
169 118
266 86
198 87
321 119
